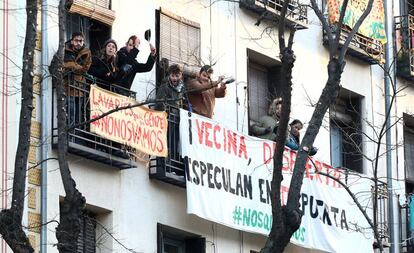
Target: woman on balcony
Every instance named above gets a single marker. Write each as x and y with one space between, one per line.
104 65
294 135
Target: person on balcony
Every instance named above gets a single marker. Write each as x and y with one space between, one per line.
202 92
294 137
171 89
266 127
128 64
76 62
104 65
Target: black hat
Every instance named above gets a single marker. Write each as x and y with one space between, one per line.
206 68
110 41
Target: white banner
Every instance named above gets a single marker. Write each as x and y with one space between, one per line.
228 178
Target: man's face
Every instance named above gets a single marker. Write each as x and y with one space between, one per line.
205 76
175 78
131 44
77 42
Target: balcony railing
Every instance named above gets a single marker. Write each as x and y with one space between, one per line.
364 48
296 16
382 212
404 34
80 140
170 169
406 233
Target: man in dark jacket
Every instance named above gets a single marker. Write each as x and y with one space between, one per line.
76 63
129 65
171 88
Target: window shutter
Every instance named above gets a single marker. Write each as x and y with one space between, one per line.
94 9
81 236
87 234
179 39
258 92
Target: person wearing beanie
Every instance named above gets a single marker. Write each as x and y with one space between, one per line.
128 64
104 65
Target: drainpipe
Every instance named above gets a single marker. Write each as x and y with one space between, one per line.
45 117
389 58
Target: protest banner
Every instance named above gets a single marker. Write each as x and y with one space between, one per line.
372 27
138 127
228 180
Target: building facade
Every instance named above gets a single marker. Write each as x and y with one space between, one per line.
141 205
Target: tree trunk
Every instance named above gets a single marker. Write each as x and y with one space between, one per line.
68 229
328 96
11 219
285 223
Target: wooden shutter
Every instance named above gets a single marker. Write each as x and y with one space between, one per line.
94 9
87 235
179 39
258 91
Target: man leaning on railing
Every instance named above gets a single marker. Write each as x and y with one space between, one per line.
76 63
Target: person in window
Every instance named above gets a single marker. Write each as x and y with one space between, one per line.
266 127
171 88
128 64
104 65
76 62
202 92
294 137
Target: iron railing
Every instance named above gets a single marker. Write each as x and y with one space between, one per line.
382 212
80 140
170 169
296 16
404 36
364 48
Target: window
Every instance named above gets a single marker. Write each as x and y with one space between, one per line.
409 148
172 240
345 131
404 41
87 235
263 73
96 33
178 40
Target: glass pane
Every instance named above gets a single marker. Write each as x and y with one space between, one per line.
170 248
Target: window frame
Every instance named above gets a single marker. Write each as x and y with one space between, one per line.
190 68
348 150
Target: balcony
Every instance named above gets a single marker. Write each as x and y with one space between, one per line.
81 141
296 14
404 31
382 213
364 48
170 169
